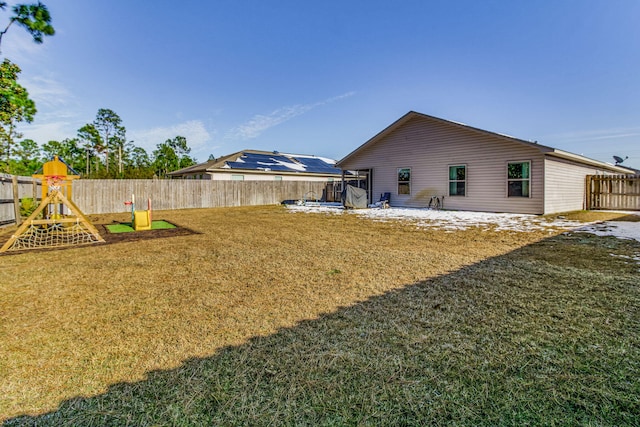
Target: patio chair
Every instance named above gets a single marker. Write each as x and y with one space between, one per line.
385 199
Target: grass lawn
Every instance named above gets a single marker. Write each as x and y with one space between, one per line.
268 317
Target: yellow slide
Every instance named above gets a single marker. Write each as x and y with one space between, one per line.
142 220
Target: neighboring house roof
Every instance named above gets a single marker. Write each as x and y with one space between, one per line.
550 151
193 169
255 161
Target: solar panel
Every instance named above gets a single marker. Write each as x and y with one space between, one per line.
264 158
280 163
258 166
317 165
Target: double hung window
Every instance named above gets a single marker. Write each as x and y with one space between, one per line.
404 180
518 179
458 180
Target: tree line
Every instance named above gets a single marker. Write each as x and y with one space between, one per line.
99 150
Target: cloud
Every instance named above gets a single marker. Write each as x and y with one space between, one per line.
260 122
57 117
49 131
57 114
19 47
194 130
47 92
595 135
599 144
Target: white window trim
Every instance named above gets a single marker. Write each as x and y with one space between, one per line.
449 180
522 180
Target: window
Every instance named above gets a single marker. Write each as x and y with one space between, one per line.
458 180
404 181
277 178
237 177
518 179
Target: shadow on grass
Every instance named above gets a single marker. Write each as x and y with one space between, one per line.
547 334
630 218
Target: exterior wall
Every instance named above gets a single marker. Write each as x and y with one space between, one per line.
248 176
199 175
429 147
565 184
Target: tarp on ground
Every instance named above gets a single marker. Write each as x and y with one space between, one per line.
354 197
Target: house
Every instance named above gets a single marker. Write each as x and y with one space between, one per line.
420 156
255 165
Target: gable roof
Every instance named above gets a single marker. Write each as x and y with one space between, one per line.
550 151
198 168
256 161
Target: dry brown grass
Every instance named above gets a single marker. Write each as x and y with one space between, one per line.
80 319
77 321
590 216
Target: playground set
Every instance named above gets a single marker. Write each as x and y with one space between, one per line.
57 221
140 220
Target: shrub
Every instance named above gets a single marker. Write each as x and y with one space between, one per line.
27 206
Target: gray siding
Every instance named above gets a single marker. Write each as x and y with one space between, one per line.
429 147
565 184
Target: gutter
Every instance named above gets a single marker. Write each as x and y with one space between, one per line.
587 161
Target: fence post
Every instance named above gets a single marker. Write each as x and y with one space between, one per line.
16 199
588 193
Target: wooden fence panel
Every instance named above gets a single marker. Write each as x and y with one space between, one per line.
108 196
95 196
27 187
613 192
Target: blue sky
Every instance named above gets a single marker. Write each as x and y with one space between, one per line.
322 77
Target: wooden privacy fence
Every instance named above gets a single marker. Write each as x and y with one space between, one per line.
619 192
12 189
96 196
